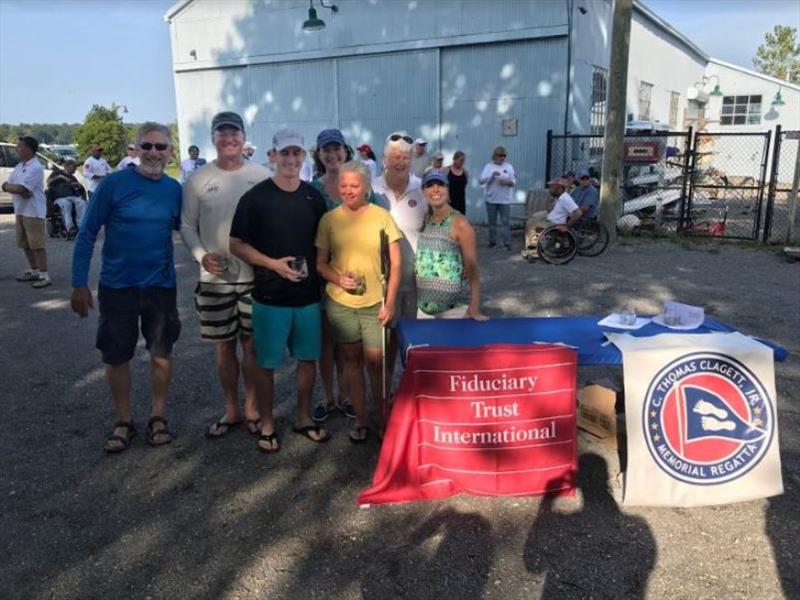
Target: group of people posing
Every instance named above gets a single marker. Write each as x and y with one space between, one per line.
324 269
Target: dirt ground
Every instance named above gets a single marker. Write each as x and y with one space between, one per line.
202 519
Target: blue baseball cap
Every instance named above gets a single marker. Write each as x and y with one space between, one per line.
583 173
330 136
431 176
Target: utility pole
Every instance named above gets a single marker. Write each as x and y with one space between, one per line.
615 116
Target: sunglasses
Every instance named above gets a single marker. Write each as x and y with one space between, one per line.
501 155
146 146
399 136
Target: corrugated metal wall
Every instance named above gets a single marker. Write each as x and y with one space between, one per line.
484 85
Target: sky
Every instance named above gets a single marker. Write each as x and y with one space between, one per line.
58 57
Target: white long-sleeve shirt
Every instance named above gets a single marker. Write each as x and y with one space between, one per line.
210 198
497 192
95 167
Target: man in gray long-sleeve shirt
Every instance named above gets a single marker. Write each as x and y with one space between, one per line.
223 296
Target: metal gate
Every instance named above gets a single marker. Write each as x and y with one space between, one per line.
778 212
727 180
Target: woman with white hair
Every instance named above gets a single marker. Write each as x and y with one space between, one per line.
349 244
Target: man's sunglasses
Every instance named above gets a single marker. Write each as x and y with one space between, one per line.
148 146
399 136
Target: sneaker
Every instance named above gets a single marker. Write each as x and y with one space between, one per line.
320 413
41 283
27 276
348 410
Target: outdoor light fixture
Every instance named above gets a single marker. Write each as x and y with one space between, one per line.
716 92
778 101
314 23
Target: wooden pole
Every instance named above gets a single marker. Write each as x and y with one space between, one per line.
615 116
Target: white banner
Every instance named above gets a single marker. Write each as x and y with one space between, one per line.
701 419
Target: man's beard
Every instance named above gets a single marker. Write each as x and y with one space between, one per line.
152 166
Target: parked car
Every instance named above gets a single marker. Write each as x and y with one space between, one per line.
9 159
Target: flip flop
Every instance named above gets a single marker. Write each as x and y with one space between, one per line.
357 430
254 426
151 433
306 432
126 441
216 426
268 437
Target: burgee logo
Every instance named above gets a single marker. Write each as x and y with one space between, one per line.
707 419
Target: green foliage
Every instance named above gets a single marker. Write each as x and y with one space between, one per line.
45 133
779 55
102 126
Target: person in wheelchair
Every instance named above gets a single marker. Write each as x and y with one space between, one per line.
67 193
564 212
586 197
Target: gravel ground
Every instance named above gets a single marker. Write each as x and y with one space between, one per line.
218 520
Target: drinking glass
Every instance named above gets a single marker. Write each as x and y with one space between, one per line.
627 315
300 265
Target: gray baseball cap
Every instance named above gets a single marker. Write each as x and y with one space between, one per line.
229 119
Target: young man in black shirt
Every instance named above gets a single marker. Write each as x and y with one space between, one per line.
273 230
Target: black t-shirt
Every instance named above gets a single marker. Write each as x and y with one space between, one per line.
278 224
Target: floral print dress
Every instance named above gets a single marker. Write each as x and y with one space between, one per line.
440 268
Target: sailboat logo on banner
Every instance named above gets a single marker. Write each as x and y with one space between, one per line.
707 419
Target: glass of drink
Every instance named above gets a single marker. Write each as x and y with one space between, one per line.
222 261
361 282
300 265
627 315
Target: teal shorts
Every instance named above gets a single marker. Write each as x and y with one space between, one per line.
277 327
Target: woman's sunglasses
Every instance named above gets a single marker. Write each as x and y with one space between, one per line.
399 136
148 146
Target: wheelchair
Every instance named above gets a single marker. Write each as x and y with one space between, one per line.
55 220
558 245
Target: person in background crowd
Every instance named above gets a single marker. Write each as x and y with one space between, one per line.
138 209
367 158
332 152
248 150
564 212
420 160
95 168
270 164
446 258
349 258
307 170
67 193
569 179
400 192
437 162
26 186
457 180
131 160
586 197
273 230
191 164
499 178
224 293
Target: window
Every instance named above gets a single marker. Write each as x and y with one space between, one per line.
741 110
645 94
12 156
674 100
598 117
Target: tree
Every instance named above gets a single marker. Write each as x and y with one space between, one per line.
779 55
102 126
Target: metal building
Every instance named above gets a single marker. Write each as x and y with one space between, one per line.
464 74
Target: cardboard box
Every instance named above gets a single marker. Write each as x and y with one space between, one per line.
597 412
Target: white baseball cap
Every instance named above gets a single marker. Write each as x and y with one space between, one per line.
288 138
250 145
420 141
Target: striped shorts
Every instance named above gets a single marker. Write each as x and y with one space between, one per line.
225 310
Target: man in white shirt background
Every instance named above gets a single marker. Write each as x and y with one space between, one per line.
223 295
564 212
400 192
95 168
421 160
499 179
191 164
131 160
26 186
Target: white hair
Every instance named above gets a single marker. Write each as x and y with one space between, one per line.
399 144
149 127
353 166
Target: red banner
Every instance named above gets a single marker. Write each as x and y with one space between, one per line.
497 421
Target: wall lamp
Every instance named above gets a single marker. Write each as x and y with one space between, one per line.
314 23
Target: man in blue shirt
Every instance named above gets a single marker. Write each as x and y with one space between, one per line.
139 209
586 197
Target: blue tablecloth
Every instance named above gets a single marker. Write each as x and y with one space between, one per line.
581 332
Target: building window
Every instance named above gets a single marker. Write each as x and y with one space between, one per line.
741 110
598 116
645 94
674 99
694 112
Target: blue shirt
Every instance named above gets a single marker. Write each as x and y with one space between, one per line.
587 197
139 215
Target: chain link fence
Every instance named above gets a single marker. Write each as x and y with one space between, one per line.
778 214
